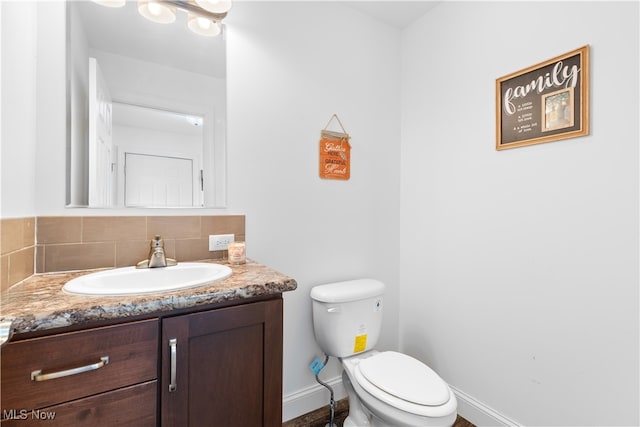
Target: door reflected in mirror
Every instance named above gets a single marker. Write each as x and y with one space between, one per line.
147 111
159 163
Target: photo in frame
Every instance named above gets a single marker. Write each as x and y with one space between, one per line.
558 110
545 102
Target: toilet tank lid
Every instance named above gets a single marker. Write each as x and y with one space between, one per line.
350 290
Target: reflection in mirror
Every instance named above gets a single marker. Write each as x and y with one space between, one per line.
122 68
159 157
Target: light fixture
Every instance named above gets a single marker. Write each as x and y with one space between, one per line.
111 3
215 6
204 17
156 11
203 26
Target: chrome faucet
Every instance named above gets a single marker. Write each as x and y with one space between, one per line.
157 257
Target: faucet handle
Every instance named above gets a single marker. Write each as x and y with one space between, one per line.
157 256
157 242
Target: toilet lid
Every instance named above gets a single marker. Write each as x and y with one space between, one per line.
405 378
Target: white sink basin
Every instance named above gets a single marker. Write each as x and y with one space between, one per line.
134 281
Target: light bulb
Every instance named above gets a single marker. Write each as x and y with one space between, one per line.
155 9
215 6
204 23
157 12
110 3
203 26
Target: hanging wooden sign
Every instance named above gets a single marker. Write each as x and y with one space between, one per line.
335 153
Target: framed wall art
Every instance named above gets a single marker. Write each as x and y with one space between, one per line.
545 102
335 153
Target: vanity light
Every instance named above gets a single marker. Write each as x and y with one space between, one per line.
203 26
156 11
204 16
111 3
215 6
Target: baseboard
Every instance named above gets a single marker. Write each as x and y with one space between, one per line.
478 413
316 396
311 398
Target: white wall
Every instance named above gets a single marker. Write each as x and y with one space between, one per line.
519 268
18 109
33 106
290 67
51 115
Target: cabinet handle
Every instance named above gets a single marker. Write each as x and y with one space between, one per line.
173 345
39 376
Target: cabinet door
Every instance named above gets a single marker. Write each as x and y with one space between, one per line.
223 367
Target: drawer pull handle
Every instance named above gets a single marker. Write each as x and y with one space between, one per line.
173 345
39 376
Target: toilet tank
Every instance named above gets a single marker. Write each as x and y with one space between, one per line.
347 316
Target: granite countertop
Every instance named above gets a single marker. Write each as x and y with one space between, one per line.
38 303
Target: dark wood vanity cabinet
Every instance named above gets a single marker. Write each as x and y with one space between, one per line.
223 367
219 367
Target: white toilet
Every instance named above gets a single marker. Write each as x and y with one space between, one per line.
384 388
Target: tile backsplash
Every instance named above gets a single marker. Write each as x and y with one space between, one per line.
63 243
16 250
78 243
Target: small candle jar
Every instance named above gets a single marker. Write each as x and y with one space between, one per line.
237 253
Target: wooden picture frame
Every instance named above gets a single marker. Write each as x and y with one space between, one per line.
545 102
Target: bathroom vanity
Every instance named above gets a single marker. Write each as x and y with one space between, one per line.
205 356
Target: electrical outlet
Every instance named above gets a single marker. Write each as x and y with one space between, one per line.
220 242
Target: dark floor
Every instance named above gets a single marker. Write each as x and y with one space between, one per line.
320 417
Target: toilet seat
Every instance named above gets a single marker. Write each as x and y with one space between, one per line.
403 382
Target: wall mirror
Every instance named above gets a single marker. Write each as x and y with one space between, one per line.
146 108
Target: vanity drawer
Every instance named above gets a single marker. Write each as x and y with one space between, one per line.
41 372
133 406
